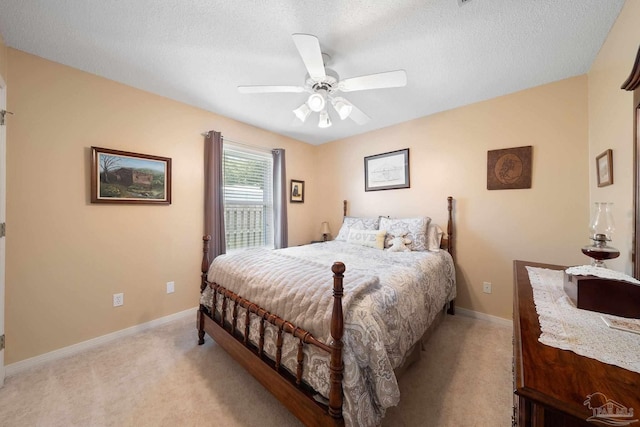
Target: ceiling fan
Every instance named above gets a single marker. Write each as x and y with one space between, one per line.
323 84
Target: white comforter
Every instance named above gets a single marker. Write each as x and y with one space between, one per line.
390 299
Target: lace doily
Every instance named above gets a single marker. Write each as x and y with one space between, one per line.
605 273
565 326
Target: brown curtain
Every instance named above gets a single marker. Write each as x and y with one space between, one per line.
213 194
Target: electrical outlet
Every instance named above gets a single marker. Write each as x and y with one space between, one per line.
118 299
171 287
486 287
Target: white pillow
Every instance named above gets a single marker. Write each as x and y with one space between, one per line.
356 223
369 238
434 237
416 229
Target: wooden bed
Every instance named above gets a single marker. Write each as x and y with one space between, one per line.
231 331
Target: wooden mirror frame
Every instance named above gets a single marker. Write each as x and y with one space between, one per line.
635 250
633 84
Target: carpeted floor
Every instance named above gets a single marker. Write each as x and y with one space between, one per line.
161 377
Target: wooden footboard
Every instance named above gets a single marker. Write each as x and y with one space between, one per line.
297 396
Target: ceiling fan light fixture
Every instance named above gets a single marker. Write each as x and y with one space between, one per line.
325 120
342 107
316 102
302 112
322 83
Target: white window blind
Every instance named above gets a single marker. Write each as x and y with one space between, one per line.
248 197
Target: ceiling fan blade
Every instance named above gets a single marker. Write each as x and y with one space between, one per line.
309 49
358 116
388 79
270 89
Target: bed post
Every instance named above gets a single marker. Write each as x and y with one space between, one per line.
204 267
344 208
452 303
203 284
450 225
337 327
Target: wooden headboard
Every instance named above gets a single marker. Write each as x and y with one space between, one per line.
447 241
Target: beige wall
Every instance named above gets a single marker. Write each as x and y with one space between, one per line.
611 126
448 156
66 256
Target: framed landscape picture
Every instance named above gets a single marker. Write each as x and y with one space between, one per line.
124 177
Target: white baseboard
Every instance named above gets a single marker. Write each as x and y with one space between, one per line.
32 362
482 316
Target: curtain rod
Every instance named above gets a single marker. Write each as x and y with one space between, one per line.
253 147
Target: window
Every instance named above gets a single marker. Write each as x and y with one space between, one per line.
248 197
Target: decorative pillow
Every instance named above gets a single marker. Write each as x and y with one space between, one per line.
434 237
416 229
369 238
398 243
356 223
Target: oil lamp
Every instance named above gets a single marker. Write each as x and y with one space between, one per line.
601 228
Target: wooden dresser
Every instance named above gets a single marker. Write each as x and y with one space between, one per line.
551 385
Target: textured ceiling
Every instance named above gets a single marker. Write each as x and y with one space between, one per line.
199 51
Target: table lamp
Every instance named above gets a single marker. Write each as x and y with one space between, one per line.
324 229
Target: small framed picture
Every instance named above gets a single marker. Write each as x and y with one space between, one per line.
124 177
604 168
297 191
